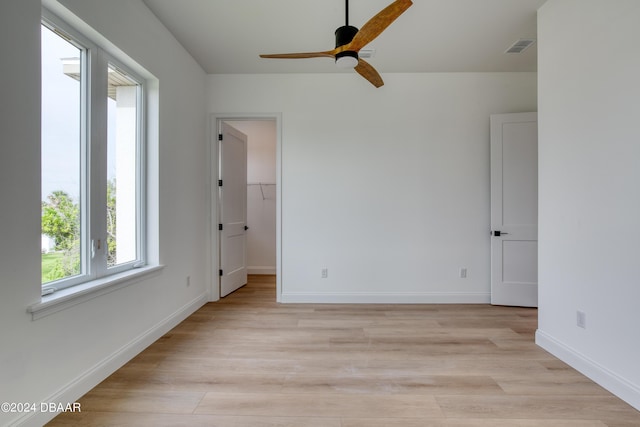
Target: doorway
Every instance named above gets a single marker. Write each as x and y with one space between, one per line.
262 254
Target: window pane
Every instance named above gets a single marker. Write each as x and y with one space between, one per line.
122 168
61 153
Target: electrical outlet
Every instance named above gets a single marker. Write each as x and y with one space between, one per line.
581 319
463 273
325 273
188 281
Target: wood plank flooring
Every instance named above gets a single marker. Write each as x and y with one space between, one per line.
247 361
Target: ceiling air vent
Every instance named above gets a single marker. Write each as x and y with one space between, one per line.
520 45
367 53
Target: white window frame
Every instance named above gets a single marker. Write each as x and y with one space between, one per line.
102 268
94 270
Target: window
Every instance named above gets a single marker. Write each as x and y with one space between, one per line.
92 163
123 171
61 151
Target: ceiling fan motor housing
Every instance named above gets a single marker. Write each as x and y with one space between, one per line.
344 35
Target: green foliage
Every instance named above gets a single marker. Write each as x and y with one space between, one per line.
111 222
49 262
61 222
66 265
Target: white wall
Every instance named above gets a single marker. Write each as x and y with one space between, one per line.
61 356
261 199
589 156
387 188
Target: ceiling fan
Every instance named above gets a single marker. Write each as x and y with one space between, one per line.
349 41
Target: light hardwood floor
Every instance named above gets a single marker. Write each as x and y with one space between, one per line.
247 361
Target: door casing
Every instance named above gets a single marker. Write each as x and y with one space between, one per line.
214 127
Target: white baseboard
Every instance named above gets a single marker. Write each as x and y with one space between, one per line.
92 377
261 270
617 385
388 298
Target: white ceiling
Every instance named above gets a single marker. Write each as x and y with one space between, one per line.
226 36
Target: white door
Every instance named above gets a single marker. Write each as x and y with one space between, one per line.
232 186
514 209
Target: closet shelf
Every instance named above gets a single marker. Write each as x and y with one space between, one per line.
262 185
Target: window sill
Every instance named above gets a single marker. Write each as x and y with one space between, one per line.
69 297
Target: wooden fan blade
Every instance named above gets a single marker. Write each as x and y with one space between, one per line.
328 54
378 24
368 72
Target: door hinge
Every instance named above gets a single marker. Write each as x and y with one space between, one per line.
219 183
219 137
220 272
220 227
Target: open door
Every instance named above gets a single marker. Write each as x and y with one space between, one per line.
514 209
232 202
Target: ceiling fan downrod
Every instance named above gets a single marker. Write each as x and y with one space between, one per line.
346 13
